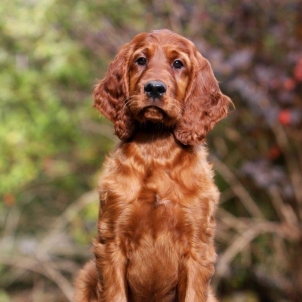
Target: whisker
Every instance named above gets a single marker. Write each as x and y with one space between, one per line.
129 101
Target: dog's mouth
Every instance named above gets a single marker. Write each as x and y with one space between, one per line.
153 114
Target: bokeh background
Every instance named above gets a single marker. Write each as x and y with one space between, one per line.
53 143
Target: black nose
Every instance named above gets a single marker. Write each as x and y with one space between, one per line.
155 89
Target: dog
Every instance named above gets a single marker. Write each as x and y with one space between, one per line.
157 196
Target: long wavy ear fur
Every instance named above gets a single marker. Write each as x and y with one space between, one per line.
204 104
111 92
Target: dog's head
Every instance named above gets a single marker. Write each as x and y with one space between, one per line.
160 77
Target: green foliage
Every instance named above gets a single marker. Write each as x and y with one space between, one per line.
45 95
3 296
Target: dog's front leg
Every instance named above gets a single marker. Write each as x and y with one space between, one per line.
194 281
111 267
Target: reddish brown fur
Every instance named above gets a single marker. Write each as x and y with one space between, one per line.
157 196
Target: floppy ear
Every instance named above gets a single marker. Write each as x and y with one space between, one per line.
204 104
111 93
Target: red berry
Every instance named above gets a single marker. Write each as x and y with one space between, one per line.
284 117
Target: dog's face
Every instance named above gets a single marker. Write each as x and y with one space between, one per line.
159 72
160 77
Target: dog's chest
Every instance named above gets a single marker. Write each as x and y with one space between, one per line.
154 209
145 201
154 200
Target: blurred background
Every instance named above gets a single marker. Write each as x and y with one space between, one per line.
53 143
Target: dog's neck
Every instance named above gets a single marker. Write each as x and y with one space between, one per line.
156 146
155 134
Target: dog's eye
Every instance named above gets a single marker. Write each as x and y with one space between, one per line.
141 61
177 64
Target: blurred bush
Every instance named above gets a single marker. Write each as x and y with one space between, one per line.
52 143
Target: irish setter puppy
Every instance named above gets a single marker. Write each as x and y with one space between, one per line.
157 197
